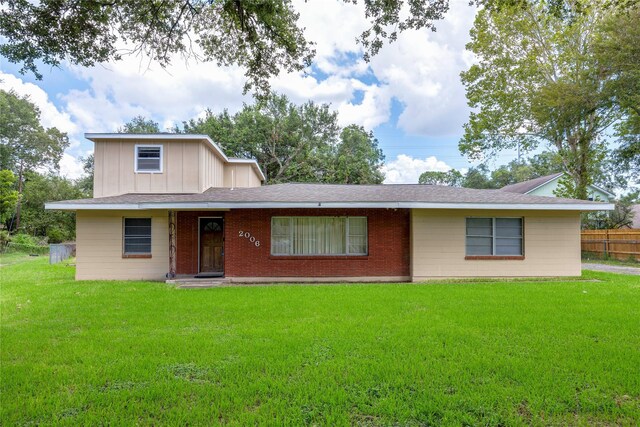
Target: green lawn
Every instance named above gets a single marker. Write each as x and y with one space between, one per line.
10 258
125 353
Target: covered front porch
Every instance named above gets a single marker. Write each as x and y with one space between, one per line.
196 244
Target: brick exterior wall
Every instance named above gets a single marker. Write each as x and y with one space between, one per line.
389 252
187 240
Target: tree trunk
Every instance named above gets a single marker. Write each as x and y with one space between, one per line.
19 204
582 184
584 168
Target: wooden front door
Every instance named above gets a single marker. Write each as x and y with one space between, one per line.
211 245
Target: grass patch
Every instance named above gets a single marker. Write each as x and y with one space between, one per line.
598 259
16 257
495 353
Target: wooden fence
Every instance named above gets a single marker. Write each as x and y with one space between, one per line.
620 244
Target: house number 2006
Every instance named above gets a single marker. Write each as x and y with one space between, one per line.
249 237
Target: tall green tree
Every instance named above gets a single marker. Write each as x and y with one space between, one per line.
617 48
512 173
85 182
39 188
295 143
452 178
481 177
140 124
8 195
478 177
25 144
290 142
538 83
621 217
545 163
357 158
262 36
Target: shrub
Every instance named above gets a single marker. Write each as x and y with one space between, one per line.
56 235
27 244
4 239
24 239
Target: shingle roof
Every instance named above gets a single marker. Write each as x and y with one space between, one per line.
526 186
406 194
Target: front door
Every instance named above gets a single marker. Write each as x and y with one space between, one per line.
211 245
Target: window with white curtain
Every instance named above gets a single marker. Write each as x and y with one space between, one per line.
318 235
494 236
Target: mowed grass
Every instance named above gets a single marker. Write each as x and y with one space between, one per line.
10 258
510 353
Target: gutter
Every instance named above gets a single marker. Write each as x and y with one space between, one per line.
286 205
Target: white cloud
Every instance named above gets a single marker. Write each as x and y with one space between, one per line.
70 166
422 70
50 116
406 169
371 111
374 109
333 26
178 93
121 92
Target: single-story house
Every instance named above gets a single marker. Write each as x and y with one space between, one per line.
547 185
636 216
169 205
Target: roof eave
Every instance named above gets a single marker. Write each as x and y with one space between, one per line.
582 207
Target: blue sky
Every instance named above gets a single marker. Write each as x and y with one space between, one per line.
410 94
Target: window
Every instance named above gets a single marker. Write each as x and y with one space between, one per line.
148 158
137 236
494 237
318 235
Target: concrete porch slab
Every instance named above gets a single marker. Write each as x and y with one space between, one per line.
197 283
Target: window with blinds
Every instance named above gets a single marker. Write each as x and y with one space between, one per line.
494 236
148 158
318 235
137 236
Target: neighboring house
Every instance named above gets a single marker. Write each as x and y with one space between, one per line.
168 204
546 185
636 216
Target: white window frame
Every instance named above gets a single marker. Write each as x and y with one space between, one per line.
135 157
494 236
346 230
124 237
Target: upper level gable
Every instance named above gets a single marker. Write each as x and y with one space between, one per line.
165 163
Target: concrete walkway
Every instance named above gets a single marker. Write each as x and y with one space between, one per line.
611 268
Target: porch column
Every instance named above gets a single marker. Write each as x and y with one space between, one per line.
172 245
